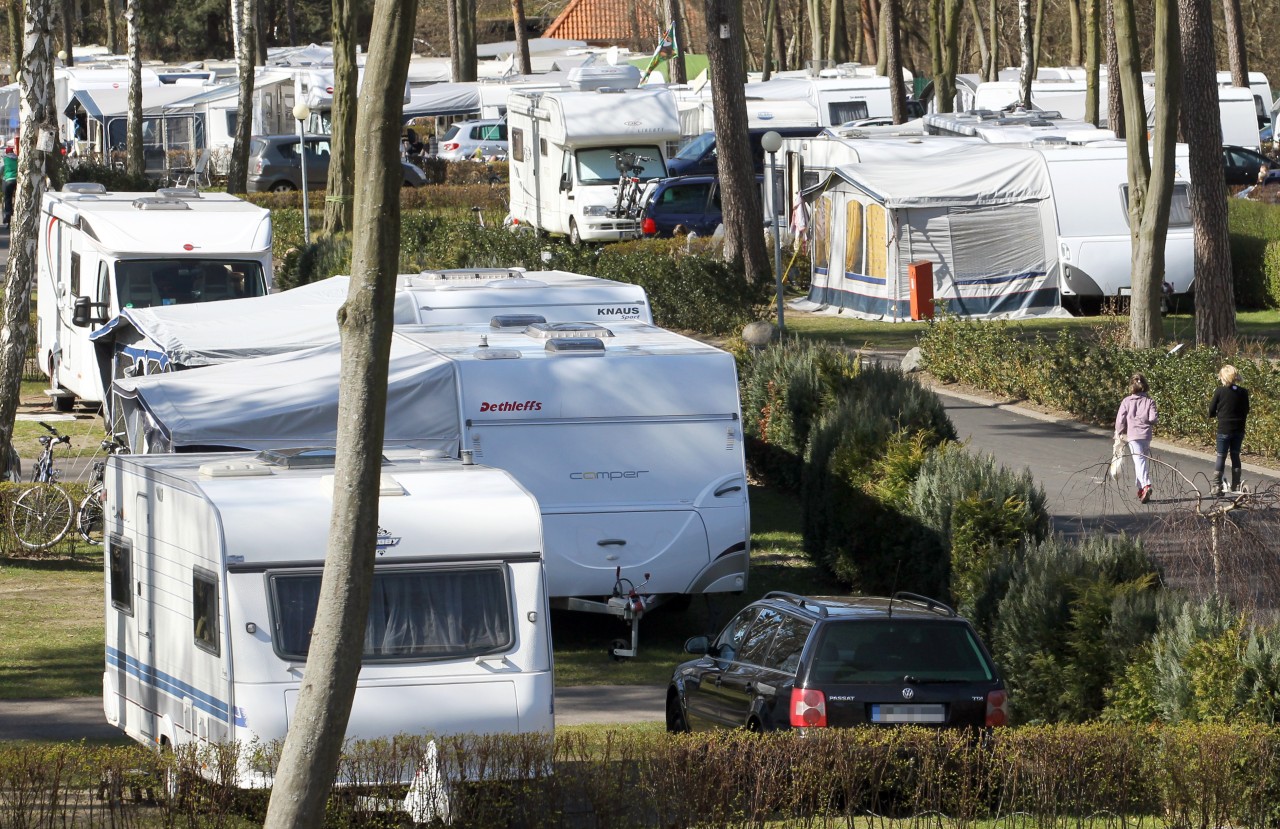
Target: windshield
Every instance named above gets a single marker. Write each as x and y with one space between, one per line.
144 283
424 613
598 165
698 147
891 650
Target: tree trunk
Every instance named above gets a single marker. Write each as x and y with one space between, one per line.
291 22
68 32
135 162
238 173
770 20
1028 70
984 54
309 759
882 40
740 196
893 61
1092 47
522 62
1202 130
1237 54
109 22
1037 38
1073 20
935 42
36 106
946 82
467 40
836 47
815 34
338 203
870 25
1115 101
780 40
675 19
993 68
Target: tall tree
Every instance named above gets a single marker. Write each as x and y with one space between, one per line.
522 62
109 10
814 8
950 45
68 15
1202 130
338 204
1150 175
740 195
984 53
837 46
36 106
1237 54
1092 58
246 50
869 21
462 39
1115 101
679 73
135 162
993 15
889 17
309 759
770 21
1076 57
14 17
1027 69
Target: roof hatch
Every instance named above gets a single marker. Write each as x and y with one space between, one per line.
158 203
557 330
506 322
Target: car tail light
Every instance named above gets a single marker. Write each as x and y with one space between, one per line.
648 227
257 168
997 709
451 146
808 708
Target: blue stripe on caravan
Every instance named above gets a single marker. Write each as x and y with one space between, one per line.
999 280
862 277
170 685
965 306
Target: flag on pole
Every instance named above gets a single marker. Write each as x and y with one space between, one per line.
665 50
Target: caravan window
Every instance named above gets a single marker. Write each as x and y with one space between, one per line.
414 613
598 165
121 574
204 609
75 274
517 145
843 111
1179 208
143 283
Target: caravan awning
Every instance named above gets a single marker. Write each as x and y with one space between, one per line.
442 99
101 104
974 175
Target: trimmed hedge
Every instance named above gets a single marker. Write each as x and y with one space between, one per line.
1190 776
1255 253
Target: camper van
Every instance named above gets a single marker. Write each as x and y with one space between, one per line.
629 436
100 253
212 576
564 151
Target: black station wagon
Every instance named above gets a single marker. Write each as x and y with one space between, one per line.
789 661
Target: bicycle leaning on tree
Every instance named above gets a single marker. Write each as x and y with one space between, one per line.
41 515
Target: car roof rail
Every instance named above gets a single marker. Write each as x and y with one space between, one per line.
916 598
800 601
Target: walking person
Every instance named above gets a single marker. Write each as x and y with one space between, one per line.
1230 405
10 176
1134 421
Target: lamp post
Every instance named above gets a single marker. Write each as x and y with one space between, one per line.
302 112
771 141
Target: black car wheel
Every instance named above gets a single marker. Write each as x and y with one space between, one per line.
282 187
676 722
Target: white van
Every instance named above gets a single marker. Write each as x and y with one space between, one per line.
100 253
212 571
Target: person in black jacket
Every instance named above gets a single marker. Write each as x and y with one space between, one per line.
1230 405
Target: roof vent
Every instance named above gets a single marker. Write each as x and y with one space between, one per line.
471 274
84 187
485 353
506 322
554 330
575 345
233 469
178 193
155 203
310 458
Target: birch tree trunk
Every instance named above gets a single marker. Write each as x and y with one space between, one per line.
1202 130
1237 54
36 107
1027 72
135 162
339 198
309 759
238 173
889 13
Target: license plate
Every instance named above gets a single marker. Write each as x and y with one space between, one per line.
908 714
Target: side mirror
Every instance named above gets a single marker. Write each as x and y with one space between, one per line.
697 644
566 183
81 312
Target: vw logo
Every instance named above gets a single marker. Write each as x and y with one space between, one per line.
908 693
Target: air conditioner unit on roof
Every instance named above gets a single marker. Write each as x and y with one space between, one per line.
598 76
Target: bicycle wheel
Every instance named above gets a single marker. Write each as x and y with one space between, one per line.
90 517
41 516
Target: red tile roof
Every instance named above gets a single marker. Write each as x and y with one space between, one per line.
607 22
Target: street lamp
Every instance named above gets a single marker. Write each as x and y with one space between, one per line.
771 141
302 112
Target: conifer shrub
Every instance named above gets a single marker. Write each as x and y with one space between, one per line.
1070 621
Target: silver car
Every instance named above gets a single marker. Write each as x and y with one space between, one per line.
474 140
274 164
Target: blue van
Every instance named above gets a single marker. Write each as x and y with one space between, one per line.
698 157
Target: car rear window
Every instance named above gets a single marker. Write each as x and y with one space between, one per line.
887 650
450 133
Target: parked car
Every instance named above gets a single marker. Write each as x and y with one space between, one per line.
789 661
691 203
274 164
698 157
1242 165
467 140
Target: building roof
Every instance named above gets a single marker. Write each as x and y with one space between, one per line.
606 22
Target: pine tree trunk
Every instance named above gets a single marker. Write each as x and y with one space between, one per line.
35 108
238 174
780 41
1202 130
675 18
1028 70
770 16
309 759
467 40
984 54
835 28
993 67
743 214
882 40
1077 46
523 64
339 201
1115 100
1092 47
291 22
109 22
1237 54
68 31
135 161
869 22
1037 38
893 61
946 81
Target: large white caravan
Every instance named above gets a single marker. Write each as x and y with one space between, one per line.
212 577
99 253
564 147
629 436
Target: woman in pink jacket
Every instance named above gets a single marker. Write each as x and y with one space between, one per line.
1133 423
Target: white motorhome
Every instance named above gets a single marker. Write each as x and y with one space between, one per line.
630 437
212 577
1262 97
563 154
99 253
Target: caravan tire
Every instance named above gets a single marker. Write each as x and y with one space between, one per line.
575 238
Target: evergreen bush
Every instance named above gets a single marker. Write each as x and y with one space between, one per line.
1255 253
115 180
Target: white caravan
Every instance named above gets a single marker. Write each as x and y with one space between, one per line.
99 253
212 576
1262 97
630 437
563 151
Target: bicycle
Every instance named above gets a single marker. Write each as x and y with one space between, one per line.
42 514
90 517
630 191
